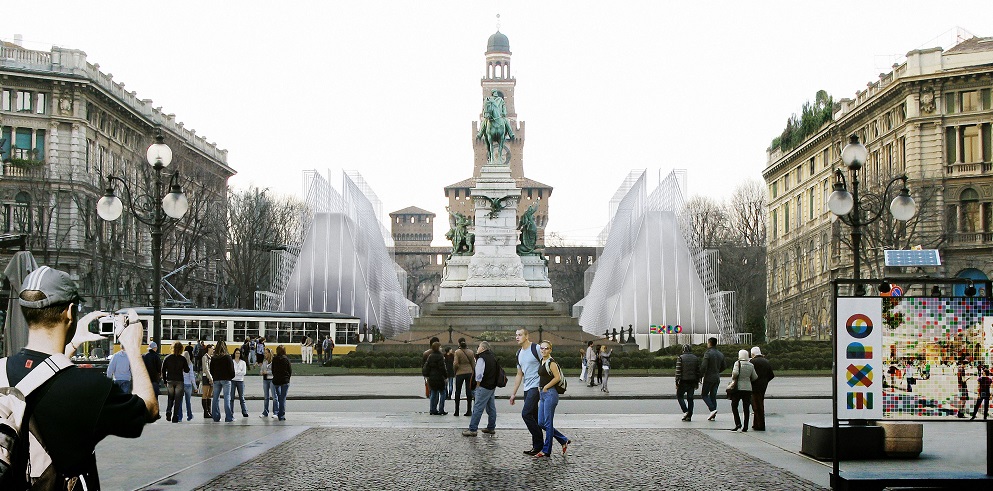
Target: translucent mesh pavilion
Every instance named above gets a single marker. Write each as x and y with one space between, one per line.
648 278
344 264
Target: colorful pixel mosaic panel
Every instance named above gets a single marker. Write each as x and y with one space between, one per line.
937 354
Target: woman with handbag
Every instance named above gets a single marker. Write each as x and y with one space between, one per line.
740 388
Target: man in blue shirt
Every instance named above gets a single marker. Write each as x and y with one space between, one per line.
528 361
119 370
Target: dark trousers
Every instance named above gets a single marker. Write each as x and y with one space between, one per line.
461 380
745 397
983 397
684 395
530 416
758 407
175 399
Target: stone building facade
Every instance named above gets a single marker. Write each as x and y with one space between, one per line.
66 126
498 77
930 118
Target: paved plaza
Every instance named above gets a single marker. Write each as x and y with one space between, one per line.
348 432
378 458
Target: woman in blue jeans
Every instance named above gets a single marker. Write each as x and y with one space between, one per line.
238 382
266 372
549 375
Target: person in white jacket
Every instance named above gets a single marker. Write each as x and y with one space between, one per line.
238 382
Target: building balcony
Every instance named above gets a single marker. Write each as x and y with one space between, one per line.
960 169
23 172
970 238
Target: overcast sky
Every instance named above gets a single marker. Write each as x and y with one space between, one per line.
390 88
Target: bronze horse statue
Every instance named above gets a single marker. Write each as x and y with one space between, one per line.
495 129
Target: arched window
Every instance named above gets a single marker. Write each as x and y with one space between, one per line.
20 213
971 217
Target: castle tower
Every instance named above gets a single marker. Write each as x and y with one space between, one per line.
498 76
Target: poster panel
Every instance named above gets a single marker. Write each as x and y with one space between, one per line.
859 351
936 355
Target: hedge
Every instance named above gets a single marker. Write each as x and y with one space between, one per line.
783 355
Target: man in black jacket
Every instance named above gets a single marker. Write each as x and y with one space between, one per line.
764 370
153 364
687 380
484 395
711 367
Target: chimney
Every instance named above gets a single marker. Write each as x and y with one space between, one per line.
19 40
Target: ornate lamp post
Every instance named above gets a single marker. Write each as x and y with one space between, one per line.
858 211
152 208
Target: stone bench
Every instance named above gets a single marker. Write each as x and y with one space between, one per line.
902 439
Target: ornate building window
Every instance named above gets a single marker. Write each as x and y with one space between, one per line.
971 216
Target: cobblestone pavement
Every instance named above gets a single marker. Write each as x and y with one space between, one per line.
364 458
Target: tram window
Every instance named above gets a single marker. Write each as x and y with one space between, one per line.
240 331
272 332
220 329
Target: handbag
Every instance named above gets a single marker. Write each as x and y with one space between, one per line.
732 388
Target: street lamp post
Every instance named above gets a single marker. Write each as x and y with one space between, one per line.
153 209
856 211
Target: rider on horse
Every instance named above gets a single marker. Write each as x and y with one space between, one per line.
495 127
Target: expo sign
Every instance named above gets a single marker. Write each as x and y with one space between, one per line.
859 351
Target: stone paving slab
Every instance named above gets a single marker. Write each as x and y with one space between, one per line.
376 459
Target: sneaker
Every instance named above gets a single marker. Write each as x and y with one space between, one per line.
469 433
244 415
263 415
540 454
565 446
489 431
713 415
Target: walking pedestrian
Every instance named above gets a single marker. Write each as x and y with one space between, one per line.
437 376
238 382
465 368
319 347
983 395
605 363
485 376
687 380
281 373
598 349
174 369
221 372
549 375
764 371
528 361
711 366
742 376
265 371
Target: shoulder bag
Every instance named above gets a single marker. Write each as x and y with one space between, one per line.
732 387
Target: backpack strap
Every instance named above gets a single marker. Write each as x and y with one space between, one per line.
534 351
39 375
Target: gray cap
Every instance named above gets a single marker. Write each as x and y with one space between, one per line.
57 286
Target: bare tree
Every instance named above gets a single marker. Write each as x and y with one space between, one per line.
707 224
257 223
423 276
925 228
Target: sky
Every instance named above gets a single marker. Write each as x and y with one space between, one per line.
391 88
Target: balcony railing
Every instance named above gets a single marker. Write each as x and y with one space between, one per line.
30 172
969 169
969 238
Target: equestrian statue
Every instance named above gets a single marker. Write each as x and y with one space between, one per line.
495 128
